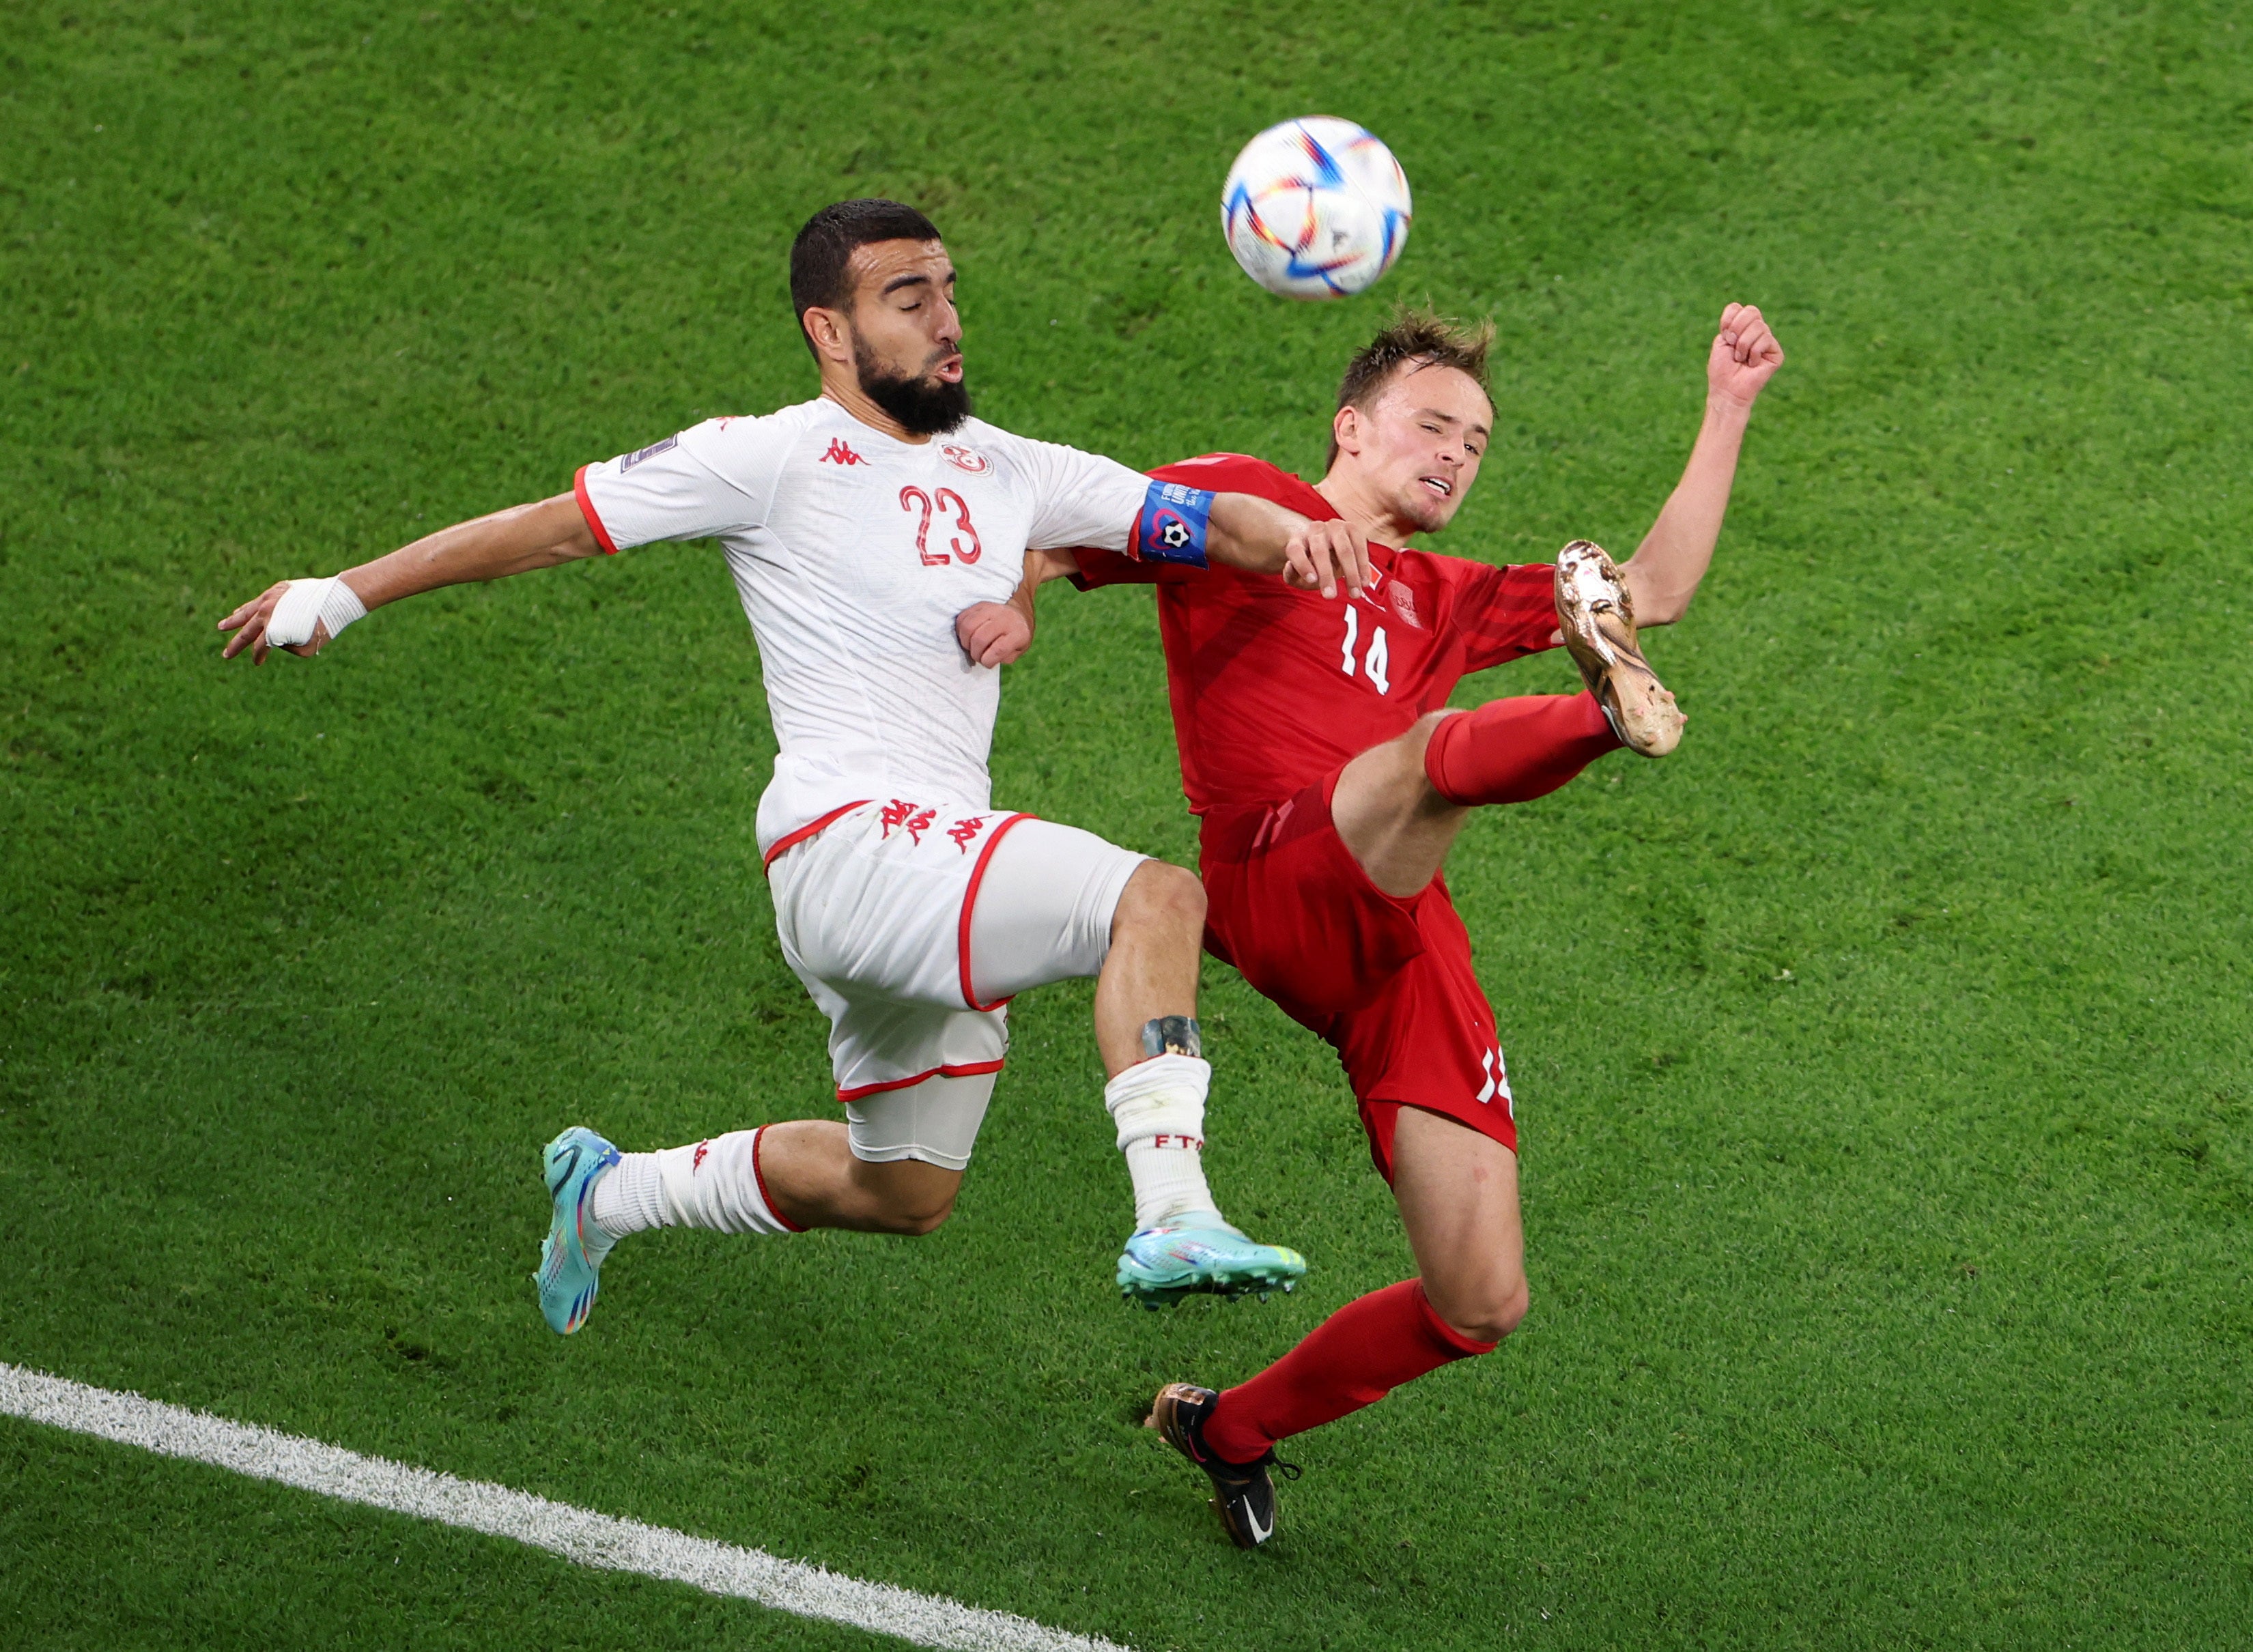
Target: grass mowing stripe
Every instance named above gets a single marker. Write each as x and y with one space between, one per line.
578 1535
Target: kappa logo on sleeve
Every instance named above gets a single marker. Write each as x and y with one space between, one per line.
649 452
840 454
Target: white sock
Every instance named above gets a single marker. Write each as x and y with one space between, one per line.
1159 1106
626 1198
706 1184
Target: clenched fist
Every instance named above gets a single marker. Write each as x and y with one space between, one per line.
993 633
1744 355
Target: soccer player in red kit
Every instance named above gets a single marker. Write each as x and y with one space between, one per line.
1323 837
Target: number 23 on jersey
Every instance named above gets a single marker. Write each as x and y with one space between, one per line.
947 503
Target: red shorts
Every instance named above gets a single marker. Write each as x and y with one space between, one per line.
1387 980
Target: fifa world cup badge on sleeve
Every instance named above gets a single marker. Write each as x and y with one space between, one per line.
1173 525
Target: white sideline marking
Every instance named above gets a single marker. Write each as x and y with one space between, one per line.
578 1535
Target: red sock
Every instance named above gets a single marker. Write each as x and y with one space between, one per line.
1514 751
1352 1359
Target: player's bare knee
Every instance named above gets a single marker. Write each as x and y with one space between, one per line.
915 1212
925 1219
1419 732
1487 1309
1161 895
906 1196
1504 1313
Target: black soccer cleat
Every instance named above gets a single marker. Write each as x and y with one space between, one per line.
1243 1493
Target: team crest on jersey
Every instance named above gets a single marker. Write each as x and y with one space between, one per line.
649 452
963 458
1404 604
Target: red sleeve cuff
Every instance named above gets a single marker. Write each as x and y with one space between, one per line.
587 509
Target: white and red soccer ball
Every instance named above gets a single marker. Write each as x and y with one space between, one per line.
1315 208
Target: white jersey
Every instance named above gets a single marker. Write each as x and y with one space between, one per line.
854 552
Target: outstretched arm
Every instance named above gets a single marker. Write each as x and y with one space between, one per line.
1663 574
1262 537
510 542
1245 532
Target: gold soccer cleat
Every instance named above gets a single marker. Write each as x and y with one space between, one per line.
1597 620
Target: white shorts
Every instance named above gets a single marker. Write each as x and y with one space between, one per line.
912 926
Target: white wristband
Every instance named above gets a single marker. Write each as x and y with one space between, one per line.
309 603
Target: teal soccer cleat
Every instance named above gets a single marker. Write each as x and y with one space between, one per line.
1199 1254
572 1256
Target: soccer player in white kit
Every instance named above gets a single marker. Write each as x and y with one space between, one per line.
858 526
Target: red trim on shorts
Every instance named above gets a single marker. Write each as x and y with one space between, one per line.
587 510
967 1070
969 900
758 1140
791 839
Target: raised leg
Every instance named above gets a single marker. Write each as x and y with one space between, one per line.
774 1180
812 1180
1398 807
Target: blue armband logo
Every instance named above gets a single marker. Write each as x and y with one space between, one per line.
1173 525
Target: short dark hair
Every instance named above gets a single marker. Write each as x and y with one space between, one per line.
819 257
1413 338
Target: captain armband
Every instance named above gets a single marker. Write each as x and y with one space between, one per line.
1173 525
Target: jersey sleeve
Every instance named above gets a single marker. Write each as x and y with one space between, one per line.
1115 567
714 477
1503 613
1102 564
1079 498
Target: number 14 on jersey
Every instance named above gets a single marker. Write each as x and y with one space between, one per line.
1377 661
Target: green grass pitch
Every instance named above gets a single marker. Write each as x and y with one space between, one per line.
1883 1056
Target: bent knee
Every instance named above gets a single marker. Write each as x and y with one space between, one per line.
916 1217
1488 1314
1419 737
1161 892
908 1196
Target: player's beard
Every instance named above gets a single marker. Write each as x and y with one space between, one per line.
921 406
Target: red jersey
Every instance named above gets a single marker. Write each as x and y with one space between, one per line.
1274 687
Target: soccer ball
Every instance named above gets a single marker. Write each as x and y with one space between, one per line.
1315 208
